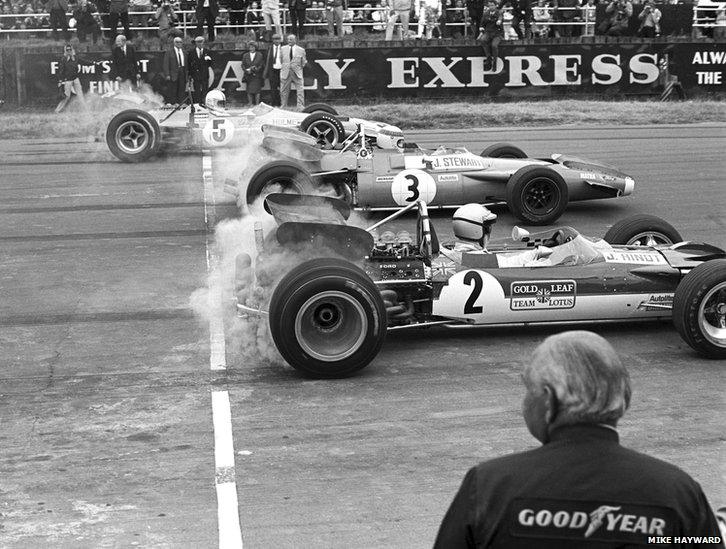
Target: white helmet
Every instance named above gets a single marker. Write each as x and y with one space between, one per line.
215 99
473 223
389 139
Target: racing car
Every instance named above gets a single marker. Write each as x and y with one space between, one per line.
329 313
134 135
391 174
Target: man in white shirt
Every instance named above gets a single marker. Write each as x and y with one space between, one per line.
273 64
175 71
293 62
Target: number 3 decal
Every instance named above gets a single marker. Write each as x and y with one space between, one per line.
472 277
411 185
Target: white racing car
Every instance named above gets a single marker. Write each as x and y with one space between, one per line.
134 135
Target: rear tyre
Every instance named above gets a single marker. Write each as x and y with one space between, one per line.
699 309
642 230
133 135
320 107
537 195
325 128
327 318
503 150
279 176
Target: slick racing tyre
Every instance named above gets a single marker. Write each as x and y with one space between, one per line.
503 150
642 230
133 135
699 309
325 128
327 318
537 195
280 176
320 107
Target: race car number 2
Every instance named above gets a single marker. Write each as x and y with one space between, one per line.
218 131
411 185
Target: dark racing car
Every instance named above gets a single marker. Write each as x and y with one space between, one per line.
329 313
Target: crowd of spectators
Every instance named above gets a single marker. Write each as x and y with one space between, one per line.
389 19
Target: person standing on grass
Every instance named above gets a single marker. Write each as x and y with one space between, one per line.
68 80
124 65
253 64
273 64
293 63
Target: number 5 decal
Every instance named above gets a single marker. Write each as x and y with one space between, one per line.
218 131
473 277
411 185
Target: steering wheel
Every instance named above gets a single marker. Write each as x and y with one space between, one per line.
555 240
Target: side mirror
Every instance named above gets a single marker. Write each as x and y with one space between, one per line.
519 234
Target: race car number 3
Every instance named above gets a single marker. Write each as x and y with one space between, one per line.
218 131
411 185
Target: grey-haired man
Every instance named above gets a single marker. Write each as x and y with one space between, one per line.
580 488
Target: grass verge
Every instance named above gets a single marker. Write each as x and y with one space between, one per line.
91 122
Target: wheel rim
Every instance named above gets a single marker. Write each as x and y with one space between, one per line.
540 196
132 137
331 326
325 132
650 238
712 315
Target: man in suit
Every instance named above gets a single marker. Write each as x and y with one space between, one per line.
273 64
200 61
175 71
124 65
207 10
293 62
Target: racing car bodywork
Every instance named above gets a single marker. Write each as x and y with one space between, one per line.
134 135
537 191
328 316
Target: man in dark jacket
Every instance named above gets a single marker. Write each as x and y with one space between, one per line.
581 489
68 77
57 10
273 64
119 11
200 61
207 10
174 68
297 17
124 64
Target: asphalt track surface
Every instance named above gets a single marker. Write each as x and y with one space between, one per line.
106 432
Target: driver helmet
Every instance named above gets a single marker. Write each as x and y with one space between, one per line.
473 223
387 139
215 99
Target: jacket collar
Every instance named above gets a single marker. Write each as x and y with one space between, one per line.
582 431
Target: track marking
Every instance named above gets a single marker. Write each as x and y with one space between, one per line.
230 532
217 355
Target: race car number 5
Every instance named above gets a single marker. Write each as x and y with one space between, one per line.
218 131
411 185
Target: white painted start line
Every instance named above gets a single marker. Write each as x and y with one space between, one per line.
230 532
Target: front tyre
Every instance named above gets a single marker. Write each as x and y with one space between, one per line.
133 135
320 107
537 195
699 309
642 230
325 128
327 318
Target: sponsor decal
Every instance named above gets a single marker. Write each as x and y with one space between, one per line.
639 258
450 178
384 179
592 520
447 163
442 268
542 294
599 176
664 300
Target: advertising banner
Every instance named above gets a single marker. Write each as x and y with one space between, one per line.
533 70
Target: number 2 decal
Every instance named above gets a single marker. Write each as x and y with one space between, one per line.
413 187
469 307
